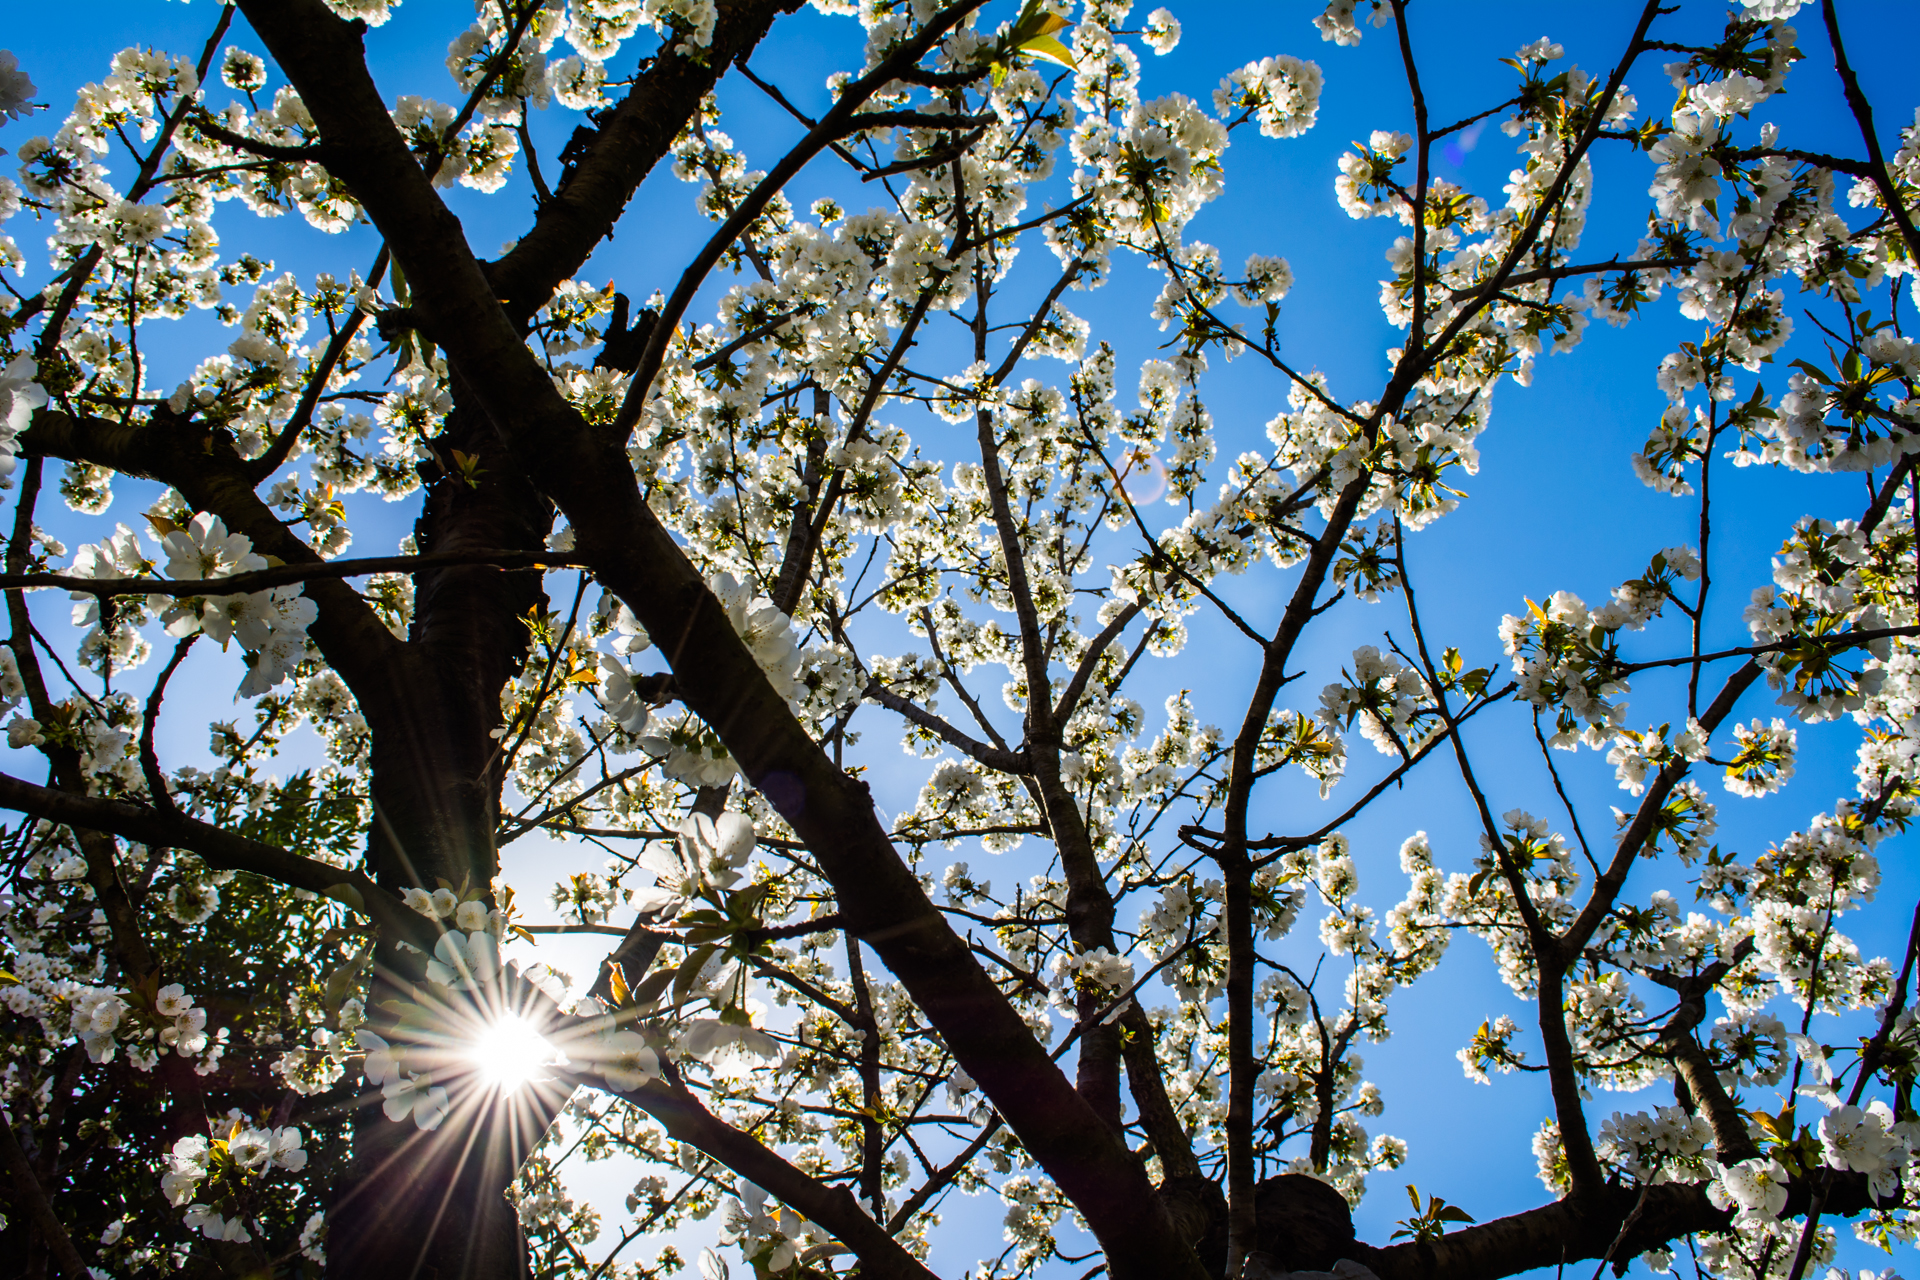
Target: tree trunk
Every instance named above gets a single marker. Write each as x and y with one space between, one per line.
418 1203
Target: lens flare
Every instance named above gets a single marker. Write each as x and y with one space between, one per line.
510 1053
1145 478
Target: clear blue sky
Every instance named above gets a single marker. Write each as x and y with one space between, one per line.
1554 507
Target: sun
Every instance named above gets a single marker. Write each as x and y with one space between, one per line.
510 1053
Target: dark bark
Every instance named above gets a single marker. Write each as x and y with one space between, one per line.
1301 1224
431 705
215 846
606 162
436 779
593 483
424 1203
1151 1102
414 1203
30 1197
1580 1228
1304 1225
681 1115
1236 870
210 475
437 769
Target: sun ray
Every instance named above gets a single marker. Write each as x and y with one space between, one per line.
510 1052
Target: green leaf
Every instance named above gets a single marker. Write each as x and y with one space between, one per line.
743 905
652 986
1034 20
341 982
1032 34
467 467
617 984
711 932
690 972
1048 49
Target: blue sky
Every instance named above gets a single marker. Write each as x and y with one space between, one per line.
1555 505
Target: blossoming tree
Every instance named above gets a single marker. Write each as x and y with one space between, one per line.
865 471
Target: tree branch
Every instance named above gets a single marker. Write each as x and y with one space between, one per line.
614 155
219 848
29 1193
283 575
1863 116
832 127
1070 697
685 1120
204 468
1581 1227
1607 887
591 479
991 756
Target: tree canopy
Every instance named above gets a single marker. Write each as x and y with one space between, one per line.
898 452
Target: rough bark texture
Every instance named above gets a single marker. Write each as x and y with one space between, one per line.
1617 1223
437 768
606 163
1301 1223
418 1203
632 555
414 1204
